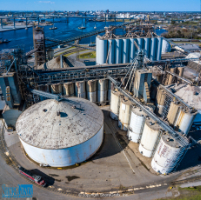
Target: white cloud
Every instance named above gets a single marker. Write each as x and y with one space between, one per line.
48 2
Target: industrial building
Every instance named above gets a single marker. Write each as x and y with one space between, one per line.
62 124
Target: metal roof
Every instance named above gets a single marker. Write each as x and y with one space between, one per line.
55 125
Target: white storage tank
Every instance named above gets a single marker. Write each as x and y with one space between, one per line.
80 90
60 134
115 104
184 121
102 90
111 51
150 137
69 89
118 51
125 56
166 47
136 124
101 51
56 88
124 113
92 90
167 155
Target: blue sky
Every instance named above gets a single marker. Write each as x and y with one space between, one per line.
113 5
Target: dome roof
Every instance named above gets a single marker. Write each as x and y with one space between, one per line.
55 125
191 95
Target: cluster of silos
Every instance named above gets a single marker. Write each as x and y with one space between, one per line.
96 91
124 50
146 132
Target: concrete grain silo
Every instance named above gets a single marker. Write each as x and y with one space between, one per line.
80 89
114 105
56 88
69 89
136 124
102 91
118 51
167 155
101 48
92 90
61 134
124 113
150 137
111 51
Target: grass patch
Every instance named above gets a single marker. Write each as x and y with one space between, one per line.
88 55
193 193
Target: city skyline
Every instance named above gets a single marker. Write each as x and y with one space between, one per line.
117 5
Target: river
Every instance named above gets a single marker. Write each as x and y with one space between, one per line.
24 38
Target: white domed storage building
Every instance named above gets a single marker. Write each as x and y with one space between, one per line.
63 133
167 155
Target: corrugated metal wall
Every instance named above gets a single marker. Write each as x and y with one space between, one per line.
116 51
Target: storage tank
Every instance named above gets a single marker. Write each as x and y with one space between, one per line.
80 90
159 49
92 90
180 71
102 90
153 49
160 99
150 137
118 51
136 124
69 89
101 49
124 113
111 51
184 121
173 113
140 42
115 104
166 47
167 155
56 88
133 49
60 134
125 56
147 44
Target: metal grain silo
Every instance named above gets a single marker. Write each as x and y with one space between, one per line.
124 113
56 88
136 124
184 121
101 49
173 113
92 90
69 89
102 90
125 53
147 45
80 90
111 51
60 134
166 47
115 104
153 48
167 155
118 51
133 50
159 48
140 42
150 138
